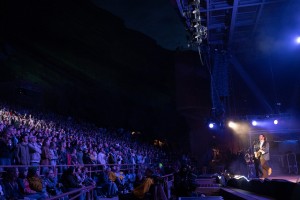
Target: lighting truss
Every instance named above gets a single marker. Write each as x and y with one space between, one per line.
190 11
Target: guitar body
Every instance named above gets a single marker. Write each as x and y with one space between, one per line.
257 154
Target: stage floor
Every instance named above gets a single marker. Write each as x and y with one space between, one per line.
288 177
291 178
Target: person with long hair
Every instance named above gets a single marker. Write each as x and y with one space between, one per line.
45 157
262 156
35 181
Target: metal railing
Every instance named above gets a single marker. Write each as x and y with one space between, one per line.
79 192
92 168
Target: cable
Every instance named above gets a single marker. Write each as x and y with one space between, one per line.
199 51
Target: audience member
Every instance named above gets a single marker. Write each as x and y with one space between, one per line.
109 188
22 151
78 142
141 190
53 156
35 182
53 188
35 151
6 148
10 185
70 181
24 185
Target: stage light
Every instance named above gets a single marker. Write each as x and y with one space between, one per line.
275 121
197 36
196 25
298 40
211 125
254 123
192 14
193 2
231 124
240 177
196 11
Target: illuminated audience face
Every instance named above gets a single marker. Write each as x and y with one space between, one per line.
25 139
25 172
51 174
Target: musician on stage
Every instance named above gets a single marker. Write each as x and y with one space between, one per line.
262 156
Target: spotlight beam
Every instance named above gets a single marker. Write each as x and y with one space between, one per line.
256 91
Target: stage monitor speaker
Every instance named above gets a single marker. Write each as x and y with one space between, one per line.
257 186
282 189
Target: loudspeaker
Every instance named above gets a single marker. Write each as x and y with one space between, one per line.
258 186
282 189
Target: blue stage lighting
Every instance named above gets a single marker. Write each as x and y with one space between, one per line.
275 121
211 125
254 123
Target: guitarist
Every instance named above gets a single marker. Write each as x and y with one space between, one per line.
262 156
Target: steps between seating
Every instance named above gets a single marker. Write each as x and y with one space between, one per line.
238 194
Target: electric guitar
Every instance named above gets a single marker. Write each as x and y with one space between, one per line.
257 154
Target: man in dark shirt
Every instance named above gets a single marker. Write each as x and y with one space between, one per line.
6 148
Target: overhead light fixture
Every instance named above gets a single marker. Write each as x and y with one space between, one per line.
254 123
193 2
197 18
197 35
231 124
196 11
196 25
192 14
298 40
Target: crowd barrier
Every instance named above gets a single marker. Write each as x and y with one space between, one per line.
167 180
77 192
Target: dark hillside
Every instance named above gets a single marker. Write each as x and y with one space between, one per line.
82 60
